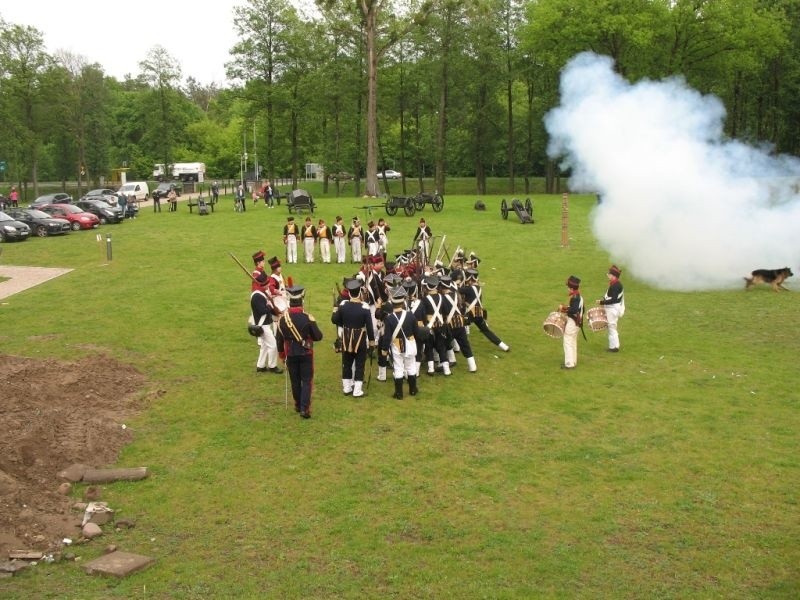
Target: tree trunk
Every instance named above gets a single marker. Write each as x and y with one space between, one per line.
370 20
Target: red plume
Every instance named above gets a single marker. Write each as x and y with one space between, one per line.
289 282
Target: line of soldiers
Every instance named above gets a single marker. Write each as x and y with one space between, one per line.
413 314
362 242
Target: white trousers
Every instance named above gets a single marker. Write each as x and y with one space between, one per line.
341 249
571 343
613 315
355 249
325 250
404 363
268 348
291 249
308 248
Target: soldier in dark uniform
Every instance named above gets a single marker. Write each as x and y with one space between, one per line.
474 312
376 296
400 340
431 313
455 324
261 316
358 337
296 333
574 312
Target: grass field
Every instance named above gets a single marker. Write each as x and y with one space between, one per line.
669 470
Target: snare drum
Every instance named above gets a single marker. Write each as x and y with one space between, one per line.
597 318
279 305
554 324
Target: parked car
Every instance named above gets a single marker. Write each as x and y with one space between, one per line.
390 174
77 217
40 222
164 187
59 198
105 194
11 229
140 189
341 176
102 210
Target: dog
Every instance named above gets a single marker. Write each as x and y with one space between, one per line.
773 277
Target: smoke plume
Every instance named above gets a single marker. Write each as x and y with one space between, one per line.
683 208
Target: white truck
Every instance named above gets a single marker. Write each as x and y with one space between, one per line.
191 171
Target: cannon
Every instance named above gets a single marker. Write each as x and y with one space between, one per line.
524 212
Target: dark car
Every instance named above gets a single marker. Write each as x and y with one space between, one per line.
11 229
59 198
105 194
40 222
163 189
102 210
77 217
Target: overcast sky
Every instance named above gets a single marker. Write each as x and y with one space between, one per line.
118 35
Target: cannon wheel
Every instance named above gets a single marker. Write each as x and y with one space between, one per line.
419 202
529 207
408 208
391 209
504 208
437 203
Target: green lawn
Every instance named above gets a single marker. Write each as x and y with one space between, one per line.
668 470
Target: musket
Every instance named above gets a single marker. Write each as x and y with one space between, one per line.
249 274
441 245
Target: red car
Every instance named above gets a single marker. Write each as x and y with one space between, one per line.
77 217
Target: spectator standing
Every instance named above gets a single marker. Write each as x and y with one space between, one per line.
13 197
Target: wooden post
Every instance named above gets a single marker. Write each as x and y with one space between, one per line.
564 220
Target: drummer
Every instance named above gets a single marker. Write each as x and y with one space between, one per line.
574 311
614 303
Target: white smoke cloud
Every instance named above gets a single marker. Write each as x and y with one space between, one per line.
682 207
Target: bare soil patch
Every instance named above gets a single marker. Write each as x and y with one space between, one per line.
54 414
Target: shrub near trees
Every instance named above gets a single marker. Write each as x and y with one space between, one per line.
439 89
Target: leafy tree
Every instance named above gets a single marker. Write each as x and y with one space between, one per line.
23 63
163 73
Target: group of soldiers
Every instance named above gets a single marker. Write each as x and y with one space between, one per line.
311 236
412 312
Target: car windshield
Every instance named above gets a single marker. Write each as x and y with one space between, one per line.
38 214
70 208
5 217
101 203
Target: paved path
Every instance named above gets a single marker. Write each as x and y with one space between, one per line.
22 278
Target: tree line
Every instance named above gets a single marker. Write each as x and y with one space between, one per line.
432 88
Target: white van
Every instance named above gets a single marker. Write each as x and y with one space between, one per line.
138 188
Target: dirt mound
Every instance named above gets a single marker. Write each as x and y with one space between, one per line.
54 414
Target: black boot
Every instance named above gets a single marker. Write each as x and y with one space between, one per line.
398 389
412 385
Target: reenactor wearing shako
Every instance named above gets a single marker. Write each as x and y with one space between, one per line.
574 312
309 240
431 313
261 322
356 238
399 340
474 312
276 288
296 333
614 303
290 233
339 235
373 239
455 324
324 236
376 296
358 338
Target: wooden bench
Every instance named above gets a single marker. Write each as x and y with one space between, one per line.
191 203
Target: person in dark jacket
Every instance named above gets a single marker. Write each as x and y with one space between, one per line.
352 317
296 333
614 303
